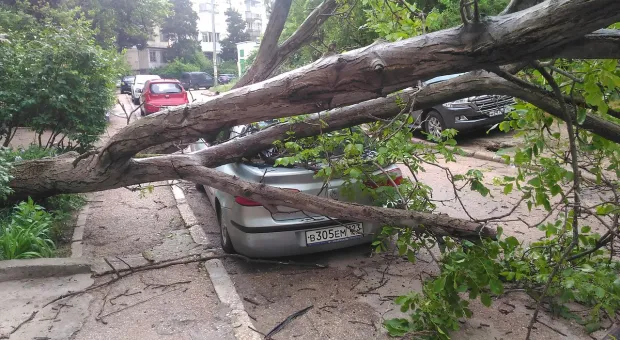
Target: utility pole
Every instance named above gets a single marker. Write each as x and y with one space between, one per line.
214 43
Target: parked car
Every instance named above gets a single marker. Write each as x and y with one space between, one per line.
138 84
159 94
467 114
250 229
126 83
225 78
196 80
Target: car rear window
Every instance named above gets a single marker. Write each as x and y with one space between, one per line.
161 88
128 79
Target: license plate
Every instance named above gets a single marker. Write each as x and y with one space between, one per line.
495 113
334 234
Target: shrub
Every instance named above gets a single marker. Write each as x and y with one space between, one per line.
26 234
55 78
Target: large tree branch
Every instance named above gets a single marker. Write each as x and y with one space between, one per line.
601 44
269 45
374 71
439 224
270 55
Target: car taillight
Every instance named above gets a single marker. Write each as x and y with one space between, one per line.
395 174
246 202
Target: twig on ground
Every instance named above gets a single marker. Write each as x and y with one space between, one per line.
125 293
127 264
16 328
181 260
286 321
364 323
164 285
105 300
255 330
252 301
551 328
113 268
137 303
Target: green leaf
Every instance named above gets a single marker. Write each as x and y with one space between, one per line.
439 284
586 268
535 182
581 116
508 188
496 287
585 229
485 299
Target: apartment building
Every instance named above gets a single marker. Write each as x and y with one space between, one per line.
252 11
150 57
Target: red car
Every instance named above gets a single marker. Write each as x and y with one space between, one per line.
159 94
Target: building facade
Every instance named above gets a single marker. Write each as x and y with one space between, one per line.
252 11
150 57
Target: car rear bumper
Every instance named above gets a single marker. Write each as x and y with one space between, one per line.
287 240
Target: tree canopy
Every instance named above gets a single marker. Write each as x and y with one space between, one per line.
236 34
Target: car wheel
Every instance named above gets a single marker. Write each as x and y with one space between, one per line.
434 124
227 245
135 101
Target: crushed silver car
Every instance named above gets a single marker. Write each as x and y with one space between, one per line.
250 229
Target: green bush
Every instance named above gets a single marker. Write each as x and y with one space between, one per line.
54 78
26 234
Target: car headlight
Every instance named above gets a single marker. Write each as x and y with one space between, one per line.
458 102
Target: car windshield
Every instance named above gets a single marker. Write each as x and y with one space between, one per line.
161 88
141 79
442 78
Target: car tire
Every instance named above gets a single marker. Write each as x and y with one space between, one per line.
227 245
135 101
200 188
434 124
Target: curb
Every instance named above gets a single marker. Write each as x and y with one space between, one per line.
11 270
77 248
222 283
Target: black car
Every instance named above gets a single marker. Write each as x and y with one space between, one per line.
467 114
225 78
196 80
126 82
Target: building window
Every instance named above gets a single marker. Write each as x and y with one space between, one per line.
208 37
206 7
153 56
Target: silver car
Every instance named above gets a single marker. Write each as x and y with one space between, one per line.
250 229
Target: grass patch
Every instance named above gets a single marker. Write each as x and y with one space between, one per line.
223 87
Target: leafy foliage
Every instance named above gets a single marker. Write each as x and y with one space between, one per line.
56 79
26 234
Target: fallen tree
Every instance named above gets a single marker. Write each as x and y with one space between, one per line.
343 80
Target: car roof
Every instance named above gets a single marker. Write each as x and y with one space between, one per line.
165 80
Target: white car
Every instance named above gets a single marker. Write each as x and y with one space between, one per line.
138 84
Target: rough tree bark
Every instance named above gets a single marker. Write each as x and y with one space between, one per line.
375 71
